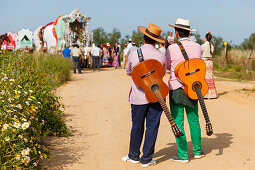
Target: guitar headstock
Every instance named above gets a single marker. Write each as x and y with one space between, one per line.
209 130
176 131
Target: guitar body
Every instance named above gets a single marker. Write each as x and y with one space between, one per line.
192 72
147 74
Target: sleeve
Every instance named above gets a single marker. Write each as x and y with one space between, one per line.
128 66
71 53
168 59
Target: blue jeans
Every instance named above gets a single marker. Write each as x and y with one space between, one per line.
152 113
95 61
76 63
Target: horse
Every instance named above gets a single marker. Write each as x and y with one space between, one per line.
2 38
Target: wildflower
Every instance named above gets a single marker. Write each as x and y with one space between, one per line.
18 92
25 92
16 125
2 92
30 91
16 96
12 80
29 99
35 163
26 160
25 125
20 136
24 119
14 130
19 106
7 138
18 157
25 139
27 103
19 87
5 126
39 102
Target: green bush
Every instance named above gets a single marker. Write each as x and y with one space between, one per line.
29 107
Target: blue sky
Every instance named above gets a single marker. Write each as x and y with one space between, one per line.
230 19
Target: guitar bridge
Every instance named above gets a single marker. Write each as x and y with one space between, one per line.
148 74
192 72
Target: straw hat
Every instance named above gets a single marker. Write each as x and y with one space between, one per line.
183 24
153 31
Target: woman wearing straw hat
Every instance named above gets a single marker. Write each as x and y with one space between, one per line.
177 98
141 109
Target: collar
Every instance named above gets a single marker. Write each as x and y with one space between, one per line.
184 39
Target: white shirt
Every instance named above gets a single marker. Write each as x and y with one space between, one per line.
95 51
162 49
129 45
193 38
206 49
76 52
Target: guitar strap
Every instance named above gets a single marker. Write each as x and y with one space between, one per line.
140 55
185 55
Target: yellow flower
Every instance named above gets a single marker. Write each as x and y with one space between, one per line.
16 125
14 130
25 125
18 157
20 136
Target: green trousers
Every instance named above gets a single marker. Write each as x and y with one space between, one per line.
177 111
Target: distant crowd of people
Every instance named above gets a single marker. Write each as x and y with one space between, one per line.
105 55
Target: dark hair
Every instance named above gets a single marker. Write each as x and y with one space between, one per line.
182 32
208 37
76 45
148 40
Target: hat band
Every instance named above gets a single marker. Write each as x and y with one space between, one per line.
185 26
151 34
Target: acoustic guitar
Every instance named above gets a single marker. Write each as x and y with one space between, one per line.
148 75
192 73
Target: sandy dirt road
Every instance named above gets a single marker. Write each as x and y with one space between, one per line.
97 108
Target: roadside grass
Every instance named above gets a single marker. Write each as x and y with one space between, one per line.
29 107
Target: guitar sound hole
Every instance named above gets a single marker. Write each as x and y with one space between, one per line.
154 87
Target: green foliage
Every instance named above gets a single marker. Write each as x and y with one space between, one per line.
29 107
198 37
137 36
218 45
101 37
249 44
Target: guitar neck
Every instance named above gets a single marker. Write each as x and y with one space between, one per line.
164 107
202 103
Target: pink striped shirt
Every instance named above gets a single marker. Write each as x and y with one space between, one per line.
174 57
137 95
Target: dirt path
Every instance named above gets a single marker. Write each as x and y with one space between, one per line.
98 110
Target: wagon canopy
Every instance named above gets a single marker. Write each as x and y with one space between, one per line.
24 39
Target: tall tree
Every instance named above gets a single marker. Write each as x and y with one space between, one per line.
249 44
99 35
137 36
114 36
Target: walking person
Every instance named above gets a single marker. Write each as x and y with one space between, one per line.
177 98
119 54
75 53
66 51
105 61
207 51
96 53
141 109
125 50
115 54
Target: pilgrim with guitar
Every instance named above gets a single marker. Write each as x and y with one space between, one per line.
186 85
147 66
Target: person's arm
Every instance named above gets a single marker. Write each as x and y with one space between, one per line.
168 59
128 66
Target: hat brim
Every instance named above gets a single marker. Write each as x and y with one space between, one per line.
177 26
159 39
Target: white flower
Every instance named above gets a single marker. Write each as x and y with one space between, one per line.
27 103
19 106
18 157
26 160
39 102
19 86
2 92
16 125
24 119
5 126
25 125
29 99
7 138
31 91
25 92
12 80
32 97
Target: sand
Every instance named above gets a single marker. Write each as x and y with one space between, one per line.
97 108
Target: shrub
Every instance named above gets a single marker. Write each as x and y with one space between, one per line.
29 107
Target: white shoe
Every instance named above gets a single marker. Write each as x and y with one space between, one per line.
153 162
127 159
201 155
